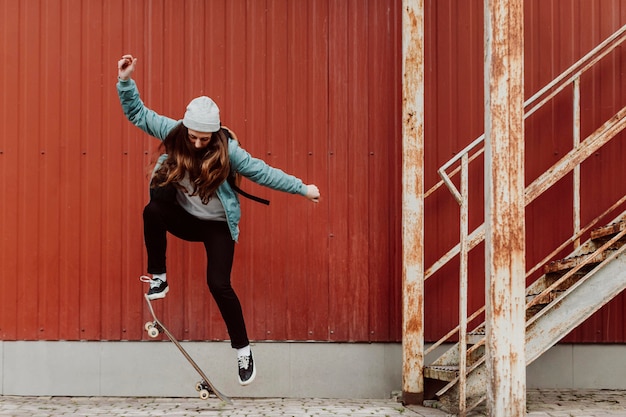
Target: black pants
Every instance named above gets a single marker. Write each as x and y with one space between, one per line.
160 217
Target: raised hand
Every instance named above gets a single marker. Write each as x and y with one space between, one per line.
126 66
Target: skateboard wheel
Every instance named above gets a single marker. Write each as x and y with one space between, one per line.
204 394
153 332
148 325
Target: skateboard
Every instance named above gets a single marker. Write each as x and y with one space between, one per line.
204 387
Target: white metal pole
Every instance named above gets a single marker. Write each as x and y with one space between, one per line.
413 201
504 208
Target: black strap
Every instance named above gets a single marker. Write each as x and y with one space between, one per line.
250 196
231 179
234 186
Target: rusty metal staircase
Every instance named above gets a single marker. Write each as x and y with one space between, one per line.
570 290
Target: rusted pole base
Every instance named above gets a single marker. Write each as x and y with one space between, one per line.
412 398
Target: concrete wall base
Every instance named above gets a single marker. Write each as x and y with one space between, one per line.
155 368
285 369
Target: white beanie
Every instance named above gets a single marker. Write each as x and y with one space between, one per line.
202 115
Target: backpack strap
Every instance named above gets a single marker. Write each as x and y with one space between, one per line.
232 177
231 182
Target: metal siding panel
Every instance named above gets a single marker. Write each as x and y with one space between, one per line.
355 214
70 177
92 177
380 36
9 166
347 281
269 66
48 322
299 126
28 219
115 260
316 162
277 131
395 185
86 232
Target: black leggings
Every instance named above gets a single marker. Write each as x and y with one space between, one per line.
160 217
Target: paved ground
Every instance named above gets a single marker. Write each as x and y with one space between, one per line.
540 403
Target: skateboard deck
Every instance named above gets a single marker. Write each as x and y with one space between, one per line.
205 387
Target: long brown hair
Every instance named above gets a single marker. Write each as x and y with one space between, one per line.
207 167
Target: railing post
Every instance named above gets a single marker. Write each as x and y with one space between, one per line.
504 208
413 201
576 172
463 285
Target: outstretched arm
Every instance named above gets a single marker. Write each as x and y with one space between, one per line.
260 172
147 120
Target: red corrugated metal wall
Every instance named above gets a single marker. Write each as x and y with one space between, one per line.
557 34
312 87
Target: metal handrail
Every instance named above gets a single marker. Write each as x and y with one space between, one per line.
573 158
554 87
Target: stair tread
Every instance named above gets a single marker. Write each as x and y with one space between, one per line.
441 372
571 262
444 367
596 234
608 230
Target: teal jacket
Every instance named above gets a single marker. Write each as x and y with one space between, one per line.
241 161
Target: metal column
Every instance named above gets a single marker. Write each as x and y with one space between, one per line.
413 200
504 207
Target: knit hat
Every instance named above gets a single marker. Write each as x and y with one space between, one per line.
202 115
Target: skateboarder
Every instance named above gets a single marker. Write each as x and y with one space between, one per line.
192 199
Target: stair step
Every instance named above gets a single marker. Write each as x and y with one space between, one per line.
547 299
609 230
569 263
441 372
476 336
601 233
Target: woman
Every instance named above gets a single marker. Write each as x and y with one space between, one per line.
192 199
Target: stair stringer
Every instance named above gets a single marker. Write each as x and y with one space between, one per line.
575 305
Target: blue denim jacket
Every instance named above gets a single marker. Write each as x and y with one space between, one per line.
240 161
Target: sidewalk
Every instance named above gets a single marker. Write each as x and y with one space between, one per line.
540 403
188 407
